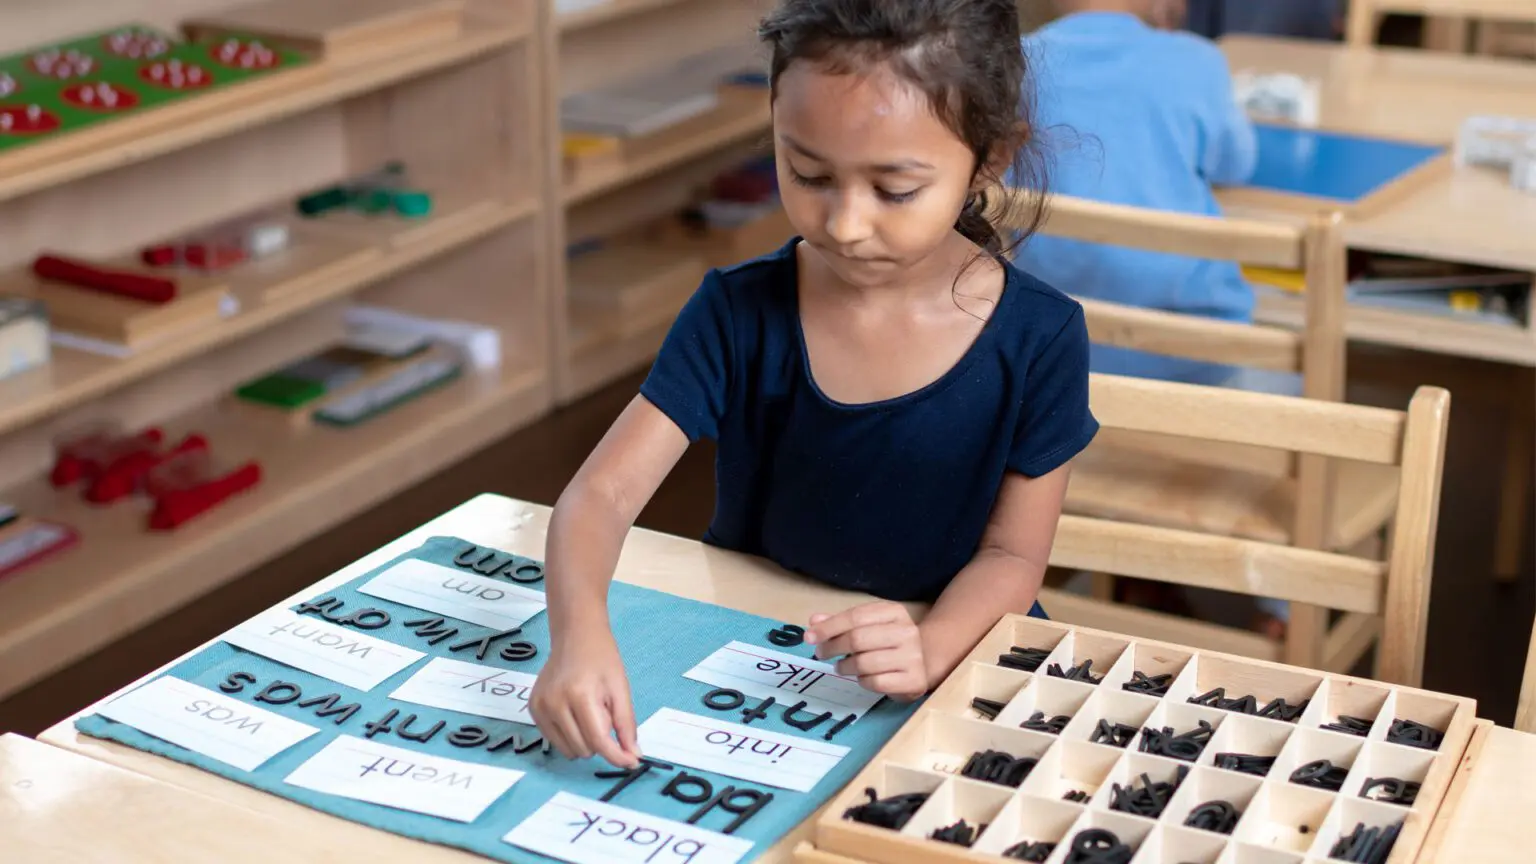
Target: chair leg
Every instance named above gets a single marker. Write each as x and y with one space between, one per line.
1103 587
1514 522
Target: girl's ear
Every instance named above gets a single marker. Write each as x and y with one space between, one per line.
1002 157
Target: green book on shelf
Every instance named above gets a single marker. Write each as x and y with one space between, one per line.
282 391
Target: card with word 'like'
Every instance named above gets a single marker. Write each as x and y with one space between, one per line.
762 673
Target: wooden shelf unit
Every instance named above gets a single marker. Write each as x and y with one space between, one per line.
656 175
468 119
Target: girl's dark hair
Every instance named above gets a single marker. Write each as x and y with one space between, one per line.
965 55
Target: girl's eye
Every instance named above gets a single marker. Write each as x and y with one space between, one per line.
809 182
898 197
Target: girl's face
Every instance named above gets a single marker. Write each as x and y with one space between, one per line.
870 178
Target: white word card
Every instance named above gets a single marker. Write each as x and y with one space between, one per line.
455 593
738 751
582 831
322 648
761 673
207 722
471 688
363 770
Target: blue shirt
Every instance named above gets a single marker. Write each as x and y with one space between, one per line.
1134 115
891 497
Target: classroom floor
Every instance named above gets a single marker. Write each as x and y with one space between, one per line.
1478 628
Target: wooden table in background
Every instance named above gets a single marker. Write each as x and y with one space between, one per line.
1466 215
1469 215
683 567
58 807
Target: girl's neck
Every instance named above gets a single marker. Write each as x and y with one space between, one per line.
930 279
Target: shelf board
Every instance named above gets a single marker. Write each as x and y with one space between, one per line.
77 376
607 343
742 112
122 577
1420 331
611 10
62 160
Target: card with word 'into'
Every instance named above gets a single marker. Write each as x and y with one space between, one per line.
206 722
363 770
322 648
738 751
582 831
469 688
764 673
456 594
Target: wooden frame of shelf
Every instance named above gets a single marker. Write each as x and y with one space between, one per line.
653 176
468 117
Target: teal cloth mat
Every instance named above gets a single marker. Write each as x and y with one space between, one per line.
660 636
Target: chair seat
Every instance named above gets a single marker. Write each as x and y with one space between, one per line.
1111 482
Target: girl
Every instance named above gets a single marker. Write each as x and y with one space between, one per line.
894 404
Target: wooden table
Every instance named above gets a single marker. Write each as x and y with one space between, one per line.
1483 817
683 567
1469 215
58 807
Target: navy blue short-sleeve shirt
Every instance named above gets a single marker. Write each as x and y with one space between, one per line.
890 498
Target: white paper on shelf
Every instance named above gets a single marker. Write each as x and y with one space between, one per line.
480 344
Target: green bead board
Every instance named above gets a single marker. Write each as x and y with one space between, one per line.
55 79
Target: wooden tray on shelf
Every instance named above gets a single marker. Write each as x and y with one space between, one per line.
1279 820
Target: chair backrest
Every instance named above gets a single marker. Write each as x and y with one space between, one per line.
1396 589
1364 15
1315 249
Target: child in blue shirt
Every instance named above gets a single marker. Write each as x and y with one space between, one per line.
1145 116
894 404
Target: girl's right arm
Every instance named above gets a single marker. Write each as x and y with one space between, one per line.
581 700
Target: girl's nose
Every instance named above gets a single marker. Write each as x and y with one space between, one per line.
848 224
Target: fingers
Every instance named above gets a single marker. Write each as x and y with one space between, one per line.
622 710
903 686
874 637
897 659
558 725
830 627
596 724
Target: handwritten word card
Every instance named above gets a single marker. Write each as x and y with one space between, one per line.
738 751
761 673
322 648
364 770
471 688
455 593
206 722
582 831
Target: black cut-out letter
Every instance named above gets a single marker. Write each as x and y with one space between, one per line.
758 712
404 730
376 727
484 642
468 736
236 682
519 651
279 693
626 776
434 630
804 725
730 800
330 707
674 789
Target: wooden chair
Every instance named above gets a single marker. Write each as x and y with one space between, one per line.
1448 20
1393 590
1265 495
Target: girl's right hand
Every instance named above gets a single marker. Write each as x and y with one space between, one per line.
581 701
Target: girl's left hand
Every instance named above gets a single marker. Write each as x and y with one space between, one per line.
879 643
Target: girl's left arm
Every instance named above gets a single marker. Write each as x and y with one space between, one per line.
1004 576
